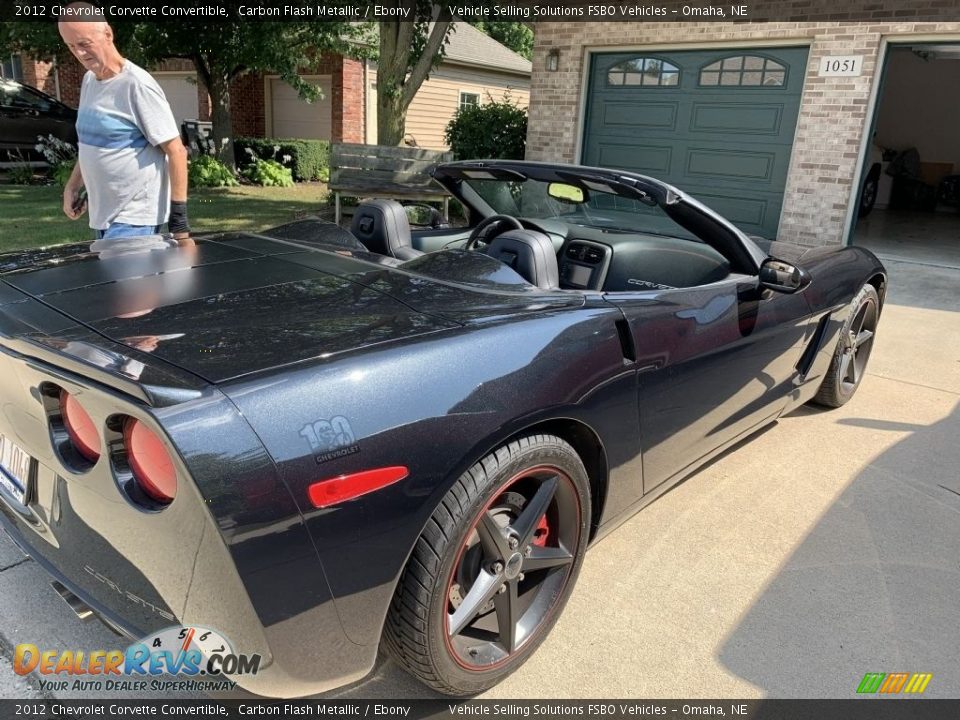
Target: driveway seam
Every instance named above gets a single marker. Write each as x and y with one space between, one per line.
914 384
19 562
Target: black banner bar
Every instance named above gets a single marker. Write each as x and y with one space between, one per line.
491 10
872 708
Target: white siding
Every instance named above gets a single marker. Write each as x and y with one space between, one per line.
437 100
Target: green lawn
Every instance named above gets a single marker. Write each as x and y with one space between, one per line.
31 216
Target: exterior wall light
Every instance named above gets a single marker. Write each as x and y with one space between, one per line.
553 60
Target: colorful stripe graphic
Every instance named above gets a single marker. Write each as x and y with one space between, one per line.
894 683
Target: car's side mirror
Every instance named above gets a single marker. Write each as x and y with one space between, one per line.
782 276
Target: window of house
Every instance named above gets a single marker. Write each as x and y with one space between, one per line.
645 71
744 71
11 69
469 99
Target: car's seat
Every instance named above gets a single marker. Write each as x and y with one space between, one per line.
531 254
383 228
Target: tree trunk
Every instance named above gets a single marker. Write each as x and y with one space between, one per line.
391 118
219 88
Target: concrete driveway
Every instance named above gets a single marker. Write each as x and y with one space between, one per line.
826 547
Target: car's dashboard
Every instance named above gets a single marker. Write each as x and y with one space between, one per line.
608 259
591 258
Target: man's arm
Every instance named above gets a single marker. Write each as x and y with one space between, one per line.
71 193
177 163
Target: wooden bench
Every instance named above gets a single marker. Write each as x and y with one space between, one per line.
393 173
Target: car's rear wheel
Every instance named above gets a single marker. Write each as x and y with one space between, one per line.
849 363
493 568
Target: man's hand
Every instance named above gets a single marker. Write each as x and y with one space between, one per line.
74 202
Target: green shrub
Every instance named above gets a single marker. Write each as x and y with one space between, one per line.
20 175
309 159
268 173
492 130
207 171
62 171
61 156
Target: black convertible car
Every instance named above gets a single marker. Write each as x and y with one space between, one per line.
320 443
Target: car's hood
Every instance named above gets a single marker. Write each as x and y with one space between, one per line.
236 304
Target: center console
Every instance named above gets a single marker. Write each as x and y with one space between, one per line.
584 265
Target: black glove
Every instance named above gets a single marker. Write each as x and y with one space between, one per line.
178 217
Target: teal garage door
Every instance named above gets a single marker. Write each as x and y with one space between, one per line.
718 124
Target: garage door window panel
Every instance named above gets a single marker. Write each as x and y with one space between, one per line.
744 71
645 72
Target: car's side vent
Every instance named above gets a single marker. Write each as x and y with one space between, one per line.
813 347
626 341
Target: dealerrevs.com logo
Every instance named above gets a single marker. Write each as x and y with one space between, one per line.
200 654
894 683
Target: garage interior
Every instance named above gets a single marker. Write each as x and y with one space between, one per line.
915 214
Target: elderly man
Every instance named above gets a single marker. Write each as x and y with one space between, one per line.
131 159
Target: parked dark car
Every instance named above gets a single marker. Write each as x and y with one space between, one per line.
26 113
321 446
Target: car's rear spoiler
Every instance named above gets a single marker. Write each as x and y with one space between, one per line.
161 384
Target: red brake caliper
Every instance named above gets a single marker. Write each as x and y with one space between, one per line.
542 532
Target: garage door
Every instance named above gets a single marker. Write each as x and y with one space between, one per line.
296 118
181 92
717 124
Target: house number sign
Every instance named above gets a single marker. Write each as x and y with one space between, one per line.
838 65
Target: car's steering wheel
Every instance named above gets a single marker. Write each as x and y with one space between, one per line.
480 232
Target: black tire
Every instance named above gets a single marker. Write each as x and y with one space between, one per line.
868 193
492 516
849 363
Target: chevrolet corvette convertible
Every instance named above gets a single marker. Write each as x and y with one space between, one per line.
322 443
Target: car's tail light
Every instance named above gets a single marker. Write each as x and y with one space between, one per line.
150 462
348 487
80 428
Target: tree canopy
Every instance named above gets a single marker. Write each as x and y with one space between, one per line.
220 50
515 35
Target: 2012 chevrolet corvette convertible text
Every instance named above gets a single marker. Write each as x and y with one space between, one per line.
321 443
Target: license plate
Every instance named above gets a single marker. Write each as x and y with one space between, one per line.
14 469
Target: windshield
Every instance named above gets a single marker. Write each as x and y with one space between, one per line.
604 210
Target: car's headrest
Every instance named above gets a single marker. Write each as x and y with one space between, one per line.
530 254
382 226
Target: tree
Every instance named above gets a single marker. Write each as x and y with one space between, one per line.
408 52
220 50
515 35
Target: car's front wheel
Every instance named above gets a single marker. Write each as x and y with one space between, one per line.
493 568
849 363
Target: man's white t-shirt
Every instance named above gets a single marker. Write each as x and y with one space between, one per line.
120 123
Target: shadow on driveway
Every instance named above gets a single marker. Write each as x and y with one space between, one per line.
874 586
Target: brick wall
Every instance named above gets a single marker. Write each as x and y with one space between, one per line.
833 114
348 106
39 74
247 106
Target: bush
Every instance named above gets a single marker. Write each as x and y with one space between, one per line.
61 156
62 172
268 173
309 159
20 175
492 130
207 171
